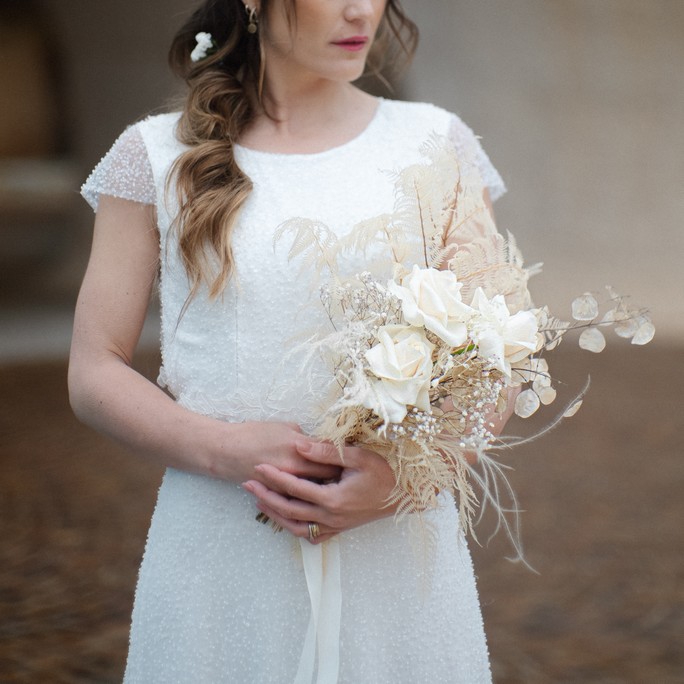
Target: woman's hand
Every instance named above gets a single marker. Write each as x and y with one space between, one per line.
359 496
494 420
248 445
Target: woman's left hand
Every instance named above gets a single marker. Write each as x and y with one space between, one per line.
358 497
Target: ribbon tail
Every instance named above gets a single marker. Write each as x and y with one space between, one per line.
322 642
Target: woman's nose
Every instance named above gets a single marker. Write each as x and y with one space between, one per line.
361 9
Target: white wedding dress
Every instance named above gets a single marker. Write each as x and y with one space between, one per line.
221 598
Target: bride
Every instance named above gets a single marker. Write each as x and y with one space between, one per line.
272 128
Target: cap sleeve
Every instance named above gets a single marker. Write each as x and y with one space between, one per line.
468 147
124 172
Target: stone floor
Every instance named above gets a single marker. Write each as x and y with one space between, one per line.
602 530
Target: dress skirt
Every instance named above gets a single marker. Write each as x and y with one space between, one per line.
223 599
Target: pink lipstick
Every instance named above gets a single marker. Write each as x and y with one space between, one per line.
353 44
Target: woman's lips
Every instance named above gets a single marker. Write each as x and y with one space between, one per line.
353 44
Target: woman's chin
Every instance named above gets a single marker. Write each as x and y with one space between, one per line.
349 75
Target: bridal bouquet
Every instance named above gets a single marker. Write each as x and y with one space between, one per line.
437 338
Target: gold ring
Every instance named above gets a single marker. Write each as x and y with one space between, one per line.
314 531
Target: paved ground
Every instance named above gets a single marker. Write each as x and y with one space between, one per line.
603 496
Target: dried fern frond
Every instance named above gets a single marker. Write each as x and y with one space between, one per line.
313 241
379 238
495 264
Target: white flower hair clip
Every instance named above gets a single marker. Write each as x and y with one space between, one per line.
205 47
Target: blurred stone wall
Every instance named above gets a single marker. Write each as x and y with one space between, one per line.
115 59
580 104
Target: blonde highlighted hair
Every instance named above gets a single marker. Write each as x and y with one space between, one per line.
224 96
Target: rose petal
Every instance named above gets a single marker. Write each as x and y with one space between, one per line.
432 298
402 363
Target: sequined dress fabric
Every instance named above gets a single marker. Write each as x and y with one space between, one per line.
221 598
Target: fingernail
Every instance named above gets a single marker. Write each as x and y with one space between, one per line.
248 487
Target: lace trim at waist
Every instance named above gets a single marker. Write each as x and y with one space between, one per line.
258 404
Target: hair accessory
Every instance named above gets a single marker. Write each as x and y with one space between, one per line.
205 46
252 19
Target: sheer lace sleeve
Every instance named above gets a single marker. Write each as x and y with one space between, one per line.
468 147
124 172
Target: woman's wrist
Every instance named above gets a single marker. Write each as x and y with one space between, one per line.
222 452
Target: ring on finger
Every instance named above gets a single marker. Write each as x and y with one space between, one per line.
314 531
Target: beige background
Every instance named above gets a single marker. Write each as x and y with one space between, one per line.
580 104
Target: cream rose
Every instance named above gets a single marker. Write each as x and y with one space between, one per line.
503 338
402 363
432 298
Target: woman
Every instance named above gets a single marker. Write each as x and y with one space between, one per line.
272 128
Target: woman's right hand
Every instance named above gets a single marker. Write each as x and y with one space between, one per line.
361 494
247 445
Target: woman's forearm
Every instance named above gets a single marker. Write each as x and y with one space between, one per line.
110 396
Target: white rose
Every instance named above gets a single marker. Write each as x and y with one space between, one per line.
432 298
503 338
402 363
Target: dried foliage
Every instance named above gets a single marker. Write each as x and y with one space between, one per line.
428 344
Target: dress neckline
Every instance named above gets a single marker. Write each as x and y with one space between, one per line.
352 142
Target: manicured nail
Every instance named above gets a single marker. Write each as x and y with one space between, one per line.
247 486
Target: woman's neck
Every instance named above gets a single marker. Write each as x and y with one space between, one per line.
310 119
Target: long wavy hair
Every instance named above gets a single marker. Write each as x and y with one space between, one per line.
224 96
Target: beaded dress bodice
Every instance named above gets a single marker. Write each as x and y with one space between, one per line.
225 356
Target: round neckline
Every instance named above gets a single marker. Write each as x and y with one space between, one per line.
250 151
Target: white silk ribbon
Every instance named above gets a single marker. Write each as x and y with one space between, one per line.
322 642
